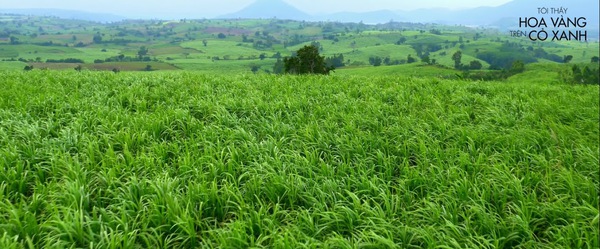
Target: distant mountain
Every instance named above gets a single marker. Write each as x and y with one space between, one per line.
269 9
66 14
503 16
373 17
436 15
526 8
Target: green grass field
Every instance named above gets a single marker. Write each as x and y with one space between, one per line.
189 160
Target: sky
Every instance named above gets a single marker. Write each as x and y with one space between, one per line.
212 8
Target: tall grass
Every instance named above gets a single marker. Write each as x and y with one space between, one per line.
185 160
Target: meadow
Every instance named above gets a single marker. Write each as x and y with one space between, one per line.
192 160
237 46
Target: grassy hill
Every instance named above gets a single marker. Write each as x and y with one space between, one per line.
237 45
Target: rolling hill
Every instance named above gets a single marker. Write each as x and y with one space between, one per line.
504 16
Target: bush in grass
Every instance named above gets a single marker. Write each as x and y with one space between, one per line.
585 75
307 61
475 65
516 68
67 60
375 60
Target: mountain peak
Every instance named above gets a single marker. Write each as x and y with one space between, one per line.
269 9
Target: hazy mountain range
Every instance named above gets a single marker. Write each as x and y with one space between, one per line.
504 16
67 14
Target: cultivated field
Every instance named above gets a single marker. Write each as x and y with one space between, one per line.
187 160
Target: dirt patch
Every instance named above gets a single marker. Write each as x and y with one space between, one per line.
121 66
173 51
227 31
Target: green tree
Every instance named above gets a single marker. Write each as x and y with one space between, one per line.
401 41
456 57
577 76
375 60
585 75
336 60
279 67
517 67
307 61
595 59
205 42
592 75
475 65
254 68
567 58
97 38
387 60
410 59
14 40
142 52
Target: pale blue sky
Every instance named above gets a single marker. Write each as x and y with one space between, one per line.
211 8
